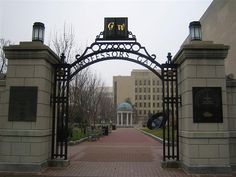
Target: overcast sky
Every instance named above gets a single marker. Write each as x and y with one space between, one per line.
159 25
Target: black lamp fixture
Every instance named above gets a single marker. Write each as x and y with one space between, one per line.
195 31
38 32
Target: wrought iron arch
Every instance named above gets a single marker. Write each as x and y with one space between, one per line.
104 50
129 50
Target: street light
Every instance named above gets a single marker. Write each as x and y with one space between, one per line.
195 31
38 32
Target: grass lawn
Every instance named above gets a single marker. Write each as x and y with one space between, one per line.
158 132
77 134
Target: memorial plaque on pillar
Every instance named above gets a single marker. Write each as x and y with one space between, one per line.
207 105
23 104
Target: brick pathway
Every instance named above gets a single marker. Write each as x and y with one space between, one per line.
125 152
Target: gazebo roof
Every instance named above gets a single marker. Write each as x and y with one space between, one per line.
124 107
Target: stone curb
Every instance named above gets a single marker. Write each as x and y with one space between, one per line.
151 135
71 143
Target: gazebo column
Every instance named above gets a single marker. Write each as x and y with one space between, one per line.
121 118
127 119
131 119
117 118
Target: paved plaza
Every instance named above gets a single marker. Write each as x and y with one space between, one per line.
126 152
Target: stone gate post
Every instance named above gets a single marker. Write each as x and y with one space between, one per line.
203 121
25 108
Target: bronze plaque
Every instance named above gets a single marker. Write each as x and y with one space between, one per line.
23 104
207 105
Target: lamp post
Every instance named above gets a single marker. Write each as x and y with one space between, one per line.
38 32
195 31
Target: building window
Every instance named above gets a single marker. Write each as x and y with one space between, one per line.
144 90
140 97
144 97
144 105
136 90
144 112
149 104
136 97
144 82
149 90
158 104
136 104
140 112
136 82
153 82
140 89
154 104
153 96
157 89
153 90
158 97
140 104
140 82
149 97
148 82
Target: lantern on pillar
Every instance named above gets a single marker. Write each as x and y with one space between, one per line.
195 31
38 32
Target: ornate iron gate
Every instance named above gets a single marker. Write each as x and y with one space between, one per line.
129 50
170 110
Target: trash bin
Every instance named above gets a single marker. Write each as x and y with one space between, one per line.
105 130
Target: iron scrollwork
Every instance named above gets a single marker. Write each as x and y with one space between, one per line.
129 50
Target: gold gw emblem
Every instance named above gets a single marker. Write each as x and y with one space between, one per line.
120 27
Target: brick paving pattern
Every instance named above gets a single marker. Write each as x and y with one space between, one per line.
126 152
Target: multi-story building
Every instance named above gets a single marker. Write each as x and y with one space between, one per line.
143 89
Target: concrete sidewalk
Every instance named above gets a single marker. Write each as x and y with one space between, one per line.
126 152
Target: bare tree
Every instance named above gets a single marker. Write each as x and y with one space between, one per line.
64 42
3 60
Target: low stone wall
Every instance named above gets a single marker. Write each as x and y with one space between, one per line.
231 98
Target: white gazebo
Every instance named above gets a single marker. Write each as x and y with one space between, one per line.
124 115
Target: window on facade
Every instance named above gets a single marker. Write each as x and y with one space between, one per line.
153 82
140 112
140 89
136 82
136 104
153 96
153 90
154 104
157 89
149 104
144 97
136 90
136 97
140 104
140 97
144 90
144 105
149 90
144 82
144 112
158 104
157 82
149 82
158 97
149 97
140 82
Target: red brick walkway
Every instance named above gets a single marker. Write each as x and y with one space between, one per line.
124 153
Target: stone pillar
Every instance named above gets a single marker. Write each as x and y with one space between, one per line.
26 145
121 118
204 147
